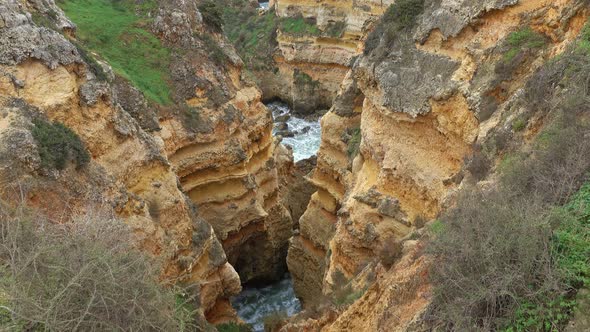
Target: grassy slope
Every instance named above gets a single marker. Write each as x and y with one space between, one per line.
113 30
299 27
252 34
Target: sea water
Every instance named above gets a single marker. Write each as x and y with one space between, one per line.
306 144
254 304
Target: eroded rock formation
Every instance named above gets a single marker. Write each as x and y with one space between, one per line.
311 66
400 138
196 180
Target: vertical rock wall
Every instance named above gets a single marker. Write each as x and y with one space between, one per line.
413 108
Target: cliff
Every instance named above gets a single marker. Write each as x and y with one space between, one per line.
405 134
186 159
317 42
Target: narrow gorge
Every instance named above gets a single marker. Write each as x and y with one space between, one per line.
304 165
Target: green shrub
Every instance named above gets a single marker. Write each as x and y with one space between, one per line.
83 276
354 142
212 14
299 27
436 227
570 252
93 65
58 144
302 79
117 31
583 45
185 311
518 124
253 35
401 16
524 39
507 258
552 316
215 52
571 239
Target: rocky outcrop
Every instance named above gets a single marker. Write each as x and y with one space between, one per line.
223 152
196 180
400 140
129 175
311 65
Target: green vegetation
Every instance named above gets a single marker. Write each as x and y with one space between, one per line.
299 27
570 250
85 276
344 294
572 239
93 65
215 52
521 252
58 144
354 142
336 29
436 227
212 14
46 20
402 14
233 327
118 31
302 79
400 17
512 258
185 311
583 46
518 124
524 39
253 35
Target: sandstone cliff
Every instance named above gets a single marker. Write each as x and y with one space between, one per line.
405 133
195 177
317 43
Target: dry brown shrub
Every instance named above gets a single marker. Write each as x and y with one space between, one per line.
81 276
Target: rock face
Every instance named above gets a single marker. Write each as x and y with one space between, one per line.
226 159
399 140
196 180
311 66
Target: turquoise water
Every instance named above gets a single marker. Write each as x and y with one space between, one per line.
253 304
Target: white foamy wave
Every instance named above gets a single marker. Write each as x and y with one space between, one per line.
305 144
254 304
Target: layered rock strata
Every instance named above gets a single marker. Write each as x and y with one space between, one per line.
197 180
414 107
311 66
